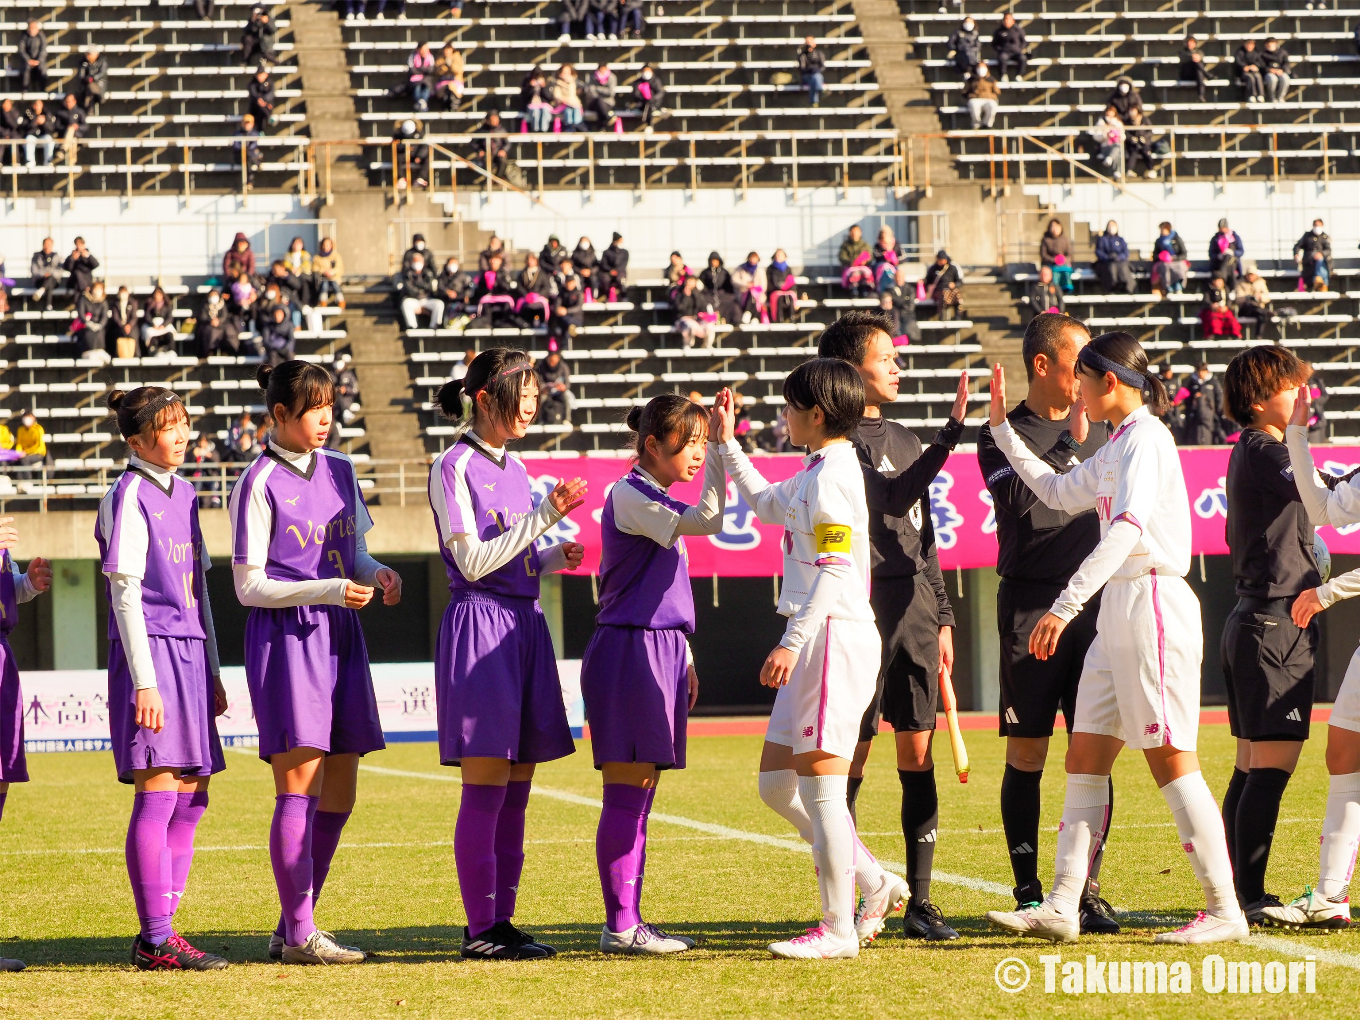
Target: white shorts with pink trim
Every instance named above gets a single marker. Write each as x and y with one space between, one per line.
822 705
1141 678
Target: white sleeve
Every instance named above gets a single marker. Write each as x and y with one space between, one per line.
255 588
770 502
707 517
125 598
1072 492
636 513
476 558
23 587
1337 507
1097 568
1343 586
832 513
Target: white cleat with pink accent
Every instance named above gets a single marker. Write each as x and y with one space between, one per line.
817 944
1207 928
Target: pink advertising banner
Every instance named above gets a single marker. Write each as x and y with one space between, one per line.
960 506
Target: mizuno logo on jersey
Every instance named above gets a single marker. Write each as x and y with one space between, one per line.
158 514
885 464
1294 716
293 501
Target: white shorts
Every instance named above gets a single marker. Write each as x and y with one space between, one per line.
822 705
1141 678
1346 710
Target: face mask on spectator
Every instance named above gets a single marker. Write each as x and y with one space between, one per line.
1123 88
968 25
1317 230
982 71
420 246
28 421
418 265
647 75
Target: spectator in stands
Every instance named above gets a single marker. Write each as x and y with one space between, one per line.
494 295
204 9
944 283
68 124
1247 65
1044 294
600 19
1170 262
92 320
203 456
257 38
614 268
1251 298
887 242
571 19
260 98
158 324
271 298
454 288
292 290
347 406
554 394
493 148
1139 146
554 253
47 272
676 271
418 247
1173 417
277 338
855 257
460 370
244 297
1192 65
1112 261
1009 44
1275 71
1216 319
782 282
124 324
1055 251
297 260
566 99
812 70
585 263
31 59
717 281
535 101
11 130
852 246
92 78
983 96
750 285
80 266
449 72
598 90
1225 252
535 289
568 310
693 316
1313 256
1203 401
242 439
216 331
1124 98
649 96
965 48
1108 136
38 126
246 145
239 258
898 302
415 157
630 13
31 440
420 77
494 246
328 270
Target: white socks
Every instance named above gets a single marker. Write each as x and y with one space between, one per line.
834 840
1084 818
1340 835
1201 830
779 791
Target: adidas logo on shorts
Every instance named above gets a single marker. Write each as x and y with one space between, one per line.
1294 716
1011 717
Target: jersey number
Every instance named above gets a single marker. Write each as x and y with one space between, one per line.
528 563
334 556
189 601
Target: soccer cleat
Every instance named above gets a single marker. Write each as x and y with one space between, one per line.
321 948
1311 910
1031 894
11 964
640 940
689 942
1206 928
526 939
816 944
174 953
1097 917
1040 922
924 920
276 947
1255 912
502 941
874 909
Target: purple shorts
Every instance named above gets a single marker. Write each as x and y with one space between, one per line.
636 686
188 740
496 682
13 765
307 670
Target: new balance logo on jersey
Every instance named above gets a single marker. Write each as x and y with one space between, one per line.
1294 716
1023 848
1011 717
1151 729
807 731
929 837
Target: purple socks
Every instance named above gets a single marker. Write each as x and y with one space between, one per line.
510 847
148 862
326 829
619 843
474 853
642 850
290 852
179 837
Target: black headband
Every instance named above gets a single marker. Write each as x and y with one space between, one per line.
148 412
1128 376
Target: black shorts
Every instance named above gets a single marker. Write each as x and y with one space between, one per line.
1268 666
1033 690
908 690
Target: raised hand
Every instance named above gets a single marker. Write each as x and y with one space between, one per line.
9 534
1080 426
725 416
40 573
567 496
1303 406
998 408
960 407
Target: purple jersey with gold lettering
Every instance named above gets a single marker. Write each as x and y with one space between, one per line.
642 582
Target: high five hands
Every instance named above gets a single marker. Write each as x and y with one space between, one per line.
722 422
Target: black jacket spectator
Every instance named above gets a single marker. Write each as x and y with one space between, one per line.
552 256
11 122
568 310
572 16
1043 296
718 282
92 79
216 332
553 383
261 99
586 264
277 337
123 314
246 145
1276 59
45 268
493 283
898 301
614 265
597 95
69 120
454 287
811 61
966 47
533 280
1009 45
1124 98
80 264
699 302
1306 250
92 312
30 60
257 38
1191 66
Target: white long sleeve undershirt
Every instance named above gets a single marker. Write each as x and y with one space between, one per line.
832 576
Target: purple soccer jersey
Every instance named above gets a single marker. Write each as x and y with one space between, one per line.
152 533
13 766
9 600
642 582
472 493
316 516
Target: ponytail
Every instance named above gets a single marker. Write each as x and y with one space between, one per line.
498 373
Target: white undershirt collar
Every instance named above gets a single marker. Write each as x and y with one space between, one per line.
301 461
496 451
160 474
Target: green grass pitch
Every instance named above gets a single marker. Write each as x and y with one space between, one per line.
67 910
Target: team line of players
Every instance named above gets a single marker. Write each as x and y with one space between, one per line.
1095 619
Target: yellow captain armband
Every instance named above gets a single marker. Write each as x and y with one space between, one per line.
832 538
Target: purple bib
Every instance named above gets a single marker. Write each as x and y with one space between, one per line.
642 583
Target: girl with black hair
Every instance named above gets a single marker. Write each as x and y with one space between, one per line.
638 672
164 683
301 563
1141 678
499 698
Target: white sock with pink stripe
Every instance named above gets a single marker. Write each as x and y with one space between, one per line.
1200 825
833 832
1083 819
869 874
1340 834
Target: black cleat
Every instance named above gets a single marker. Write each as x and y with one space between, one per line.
528 940
1097 917
1028 895
1256 915
923 920
503 941
174 953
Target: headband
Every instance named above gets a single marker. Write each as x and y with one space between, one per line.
503 374
1128 376
148 413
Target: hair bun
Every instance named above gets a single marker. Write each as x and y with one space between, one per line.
262 375
115 400
634 418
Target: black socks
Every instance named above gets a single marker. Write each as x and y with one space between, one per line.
1020 819
852 786
920 817
1231 799
1257 811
